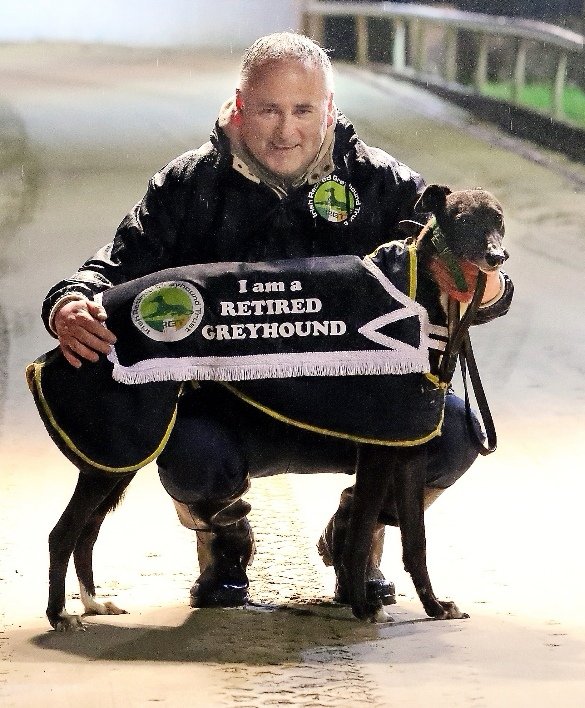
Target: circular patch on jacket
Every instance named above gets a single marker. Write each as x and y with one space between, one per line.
335 200
169 311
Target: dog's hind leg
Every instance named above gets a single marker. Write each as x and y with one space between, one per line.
91 490
409 482
83 552
372 481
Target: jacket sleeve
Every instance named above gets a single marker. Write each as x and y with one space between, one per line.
410 187
145 241
400 189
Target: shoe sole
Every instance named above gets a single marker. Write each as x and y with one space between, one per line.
237 597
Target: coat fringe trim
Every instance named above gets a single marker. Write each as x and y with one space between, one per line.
272 366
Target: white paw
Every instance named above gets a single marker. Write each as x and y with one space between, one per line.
382 616
111 609
92 607
451 611
69 623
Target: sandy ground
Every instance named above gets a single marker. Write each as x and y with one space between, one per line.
81 130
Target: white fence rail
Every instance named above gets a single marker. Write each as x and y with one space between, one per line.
412 25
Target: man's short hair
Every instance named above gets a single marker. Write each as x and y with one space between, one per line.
285 45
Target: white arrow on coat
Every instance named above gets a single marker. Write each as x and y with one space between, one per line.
409 308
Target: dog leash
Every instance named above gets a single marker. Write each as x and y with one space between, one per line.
469 365
459 343
459 348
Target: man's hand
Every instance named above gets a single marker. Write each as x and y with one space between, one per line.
81 332
446 282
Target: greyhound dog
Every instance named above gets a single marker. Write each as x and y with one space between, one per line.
472 227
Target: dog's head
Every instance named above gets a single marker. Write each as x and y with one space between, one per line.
472 222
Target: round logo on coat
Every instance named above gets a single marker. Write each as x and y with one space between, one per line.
169 311
335 200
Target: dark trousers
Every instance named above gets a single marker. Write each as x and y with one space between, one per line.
218 440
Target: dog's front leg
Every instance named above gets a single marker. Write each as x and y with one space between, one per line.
409 491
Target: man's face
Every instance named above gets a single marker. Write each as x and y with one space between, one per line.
284 110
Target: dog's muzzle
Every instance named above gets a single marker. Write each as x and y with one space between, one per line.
495 256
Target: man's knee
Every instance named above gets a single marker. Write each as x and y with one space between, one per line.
202 460
452 453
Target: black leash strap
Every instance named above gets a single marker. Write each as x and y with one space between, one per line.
459 347
468 365
459 328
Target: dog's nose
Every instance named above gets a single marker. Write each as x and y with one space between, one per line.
496 259
495 256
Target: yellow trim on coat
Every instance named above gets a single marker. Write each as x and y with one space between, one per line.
412 266
434 379
36 381
334 433
412 271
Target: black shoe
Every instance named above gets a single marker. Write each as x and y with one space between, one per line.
221 585
224 553
377 587
376 590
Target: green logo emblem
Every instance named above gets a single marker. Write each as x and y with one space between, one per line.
169 311
335 200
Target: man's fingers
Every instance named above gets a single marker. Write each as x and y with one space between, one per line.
70 357
97 311
74 351
83 326
88 324
82 334
85 340
84 344
89 331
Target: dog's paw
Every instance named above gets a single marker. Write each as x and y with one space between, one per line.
451 611
112 609
370 612
104 608
69 623
382 616
93 607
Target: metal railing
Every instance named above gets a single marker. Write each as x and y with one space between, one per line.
411 25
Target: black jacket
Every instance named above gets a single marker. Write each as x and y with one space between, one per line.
200 209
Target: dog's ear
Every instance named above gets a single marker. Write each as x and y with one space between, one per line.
433 198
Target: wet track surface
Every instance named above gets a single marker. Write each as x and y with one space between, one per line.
81 131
